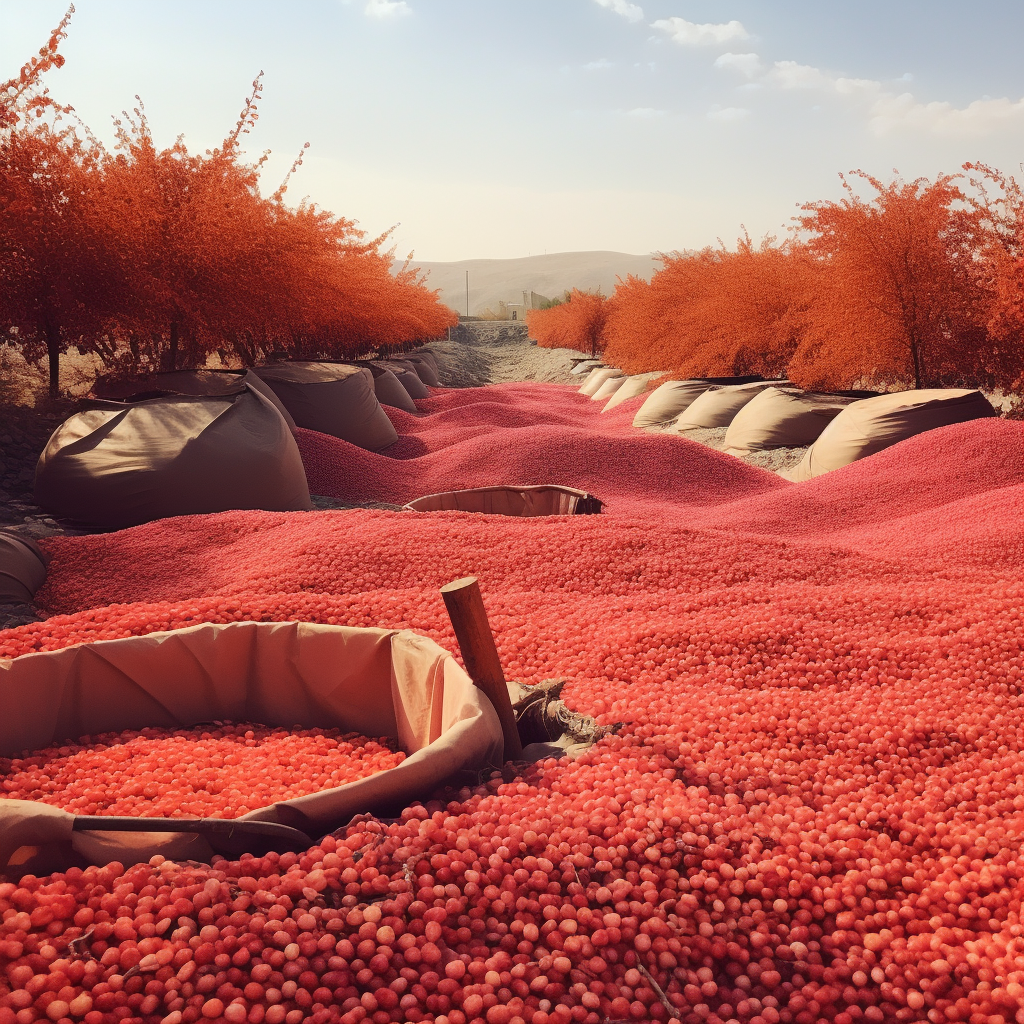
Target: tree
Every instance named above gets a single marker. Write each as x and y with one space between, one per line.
576 323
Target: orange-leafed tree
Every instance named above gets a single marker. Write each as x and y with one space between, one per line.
712 312
577 323
898 298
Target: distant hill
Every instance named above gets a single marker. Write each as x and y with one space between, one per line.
494 281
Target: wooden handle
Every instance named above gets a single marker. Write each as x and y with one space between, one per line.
472 630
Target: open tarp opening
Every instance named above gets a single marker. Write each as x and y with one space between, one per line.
22 568
782 418
118 464
332 398
202 382
539 500
372 681
873 424
673 397
718 405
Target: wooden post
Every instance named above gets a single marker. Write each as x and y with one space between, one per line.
472 630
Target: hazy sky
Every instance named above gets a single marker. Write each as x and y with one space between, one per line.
502 128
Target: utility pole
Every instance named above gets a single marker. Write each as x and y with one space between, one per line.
467 293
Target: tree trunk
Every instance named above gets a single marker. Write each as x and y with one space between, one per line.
172 352
915 351
52 332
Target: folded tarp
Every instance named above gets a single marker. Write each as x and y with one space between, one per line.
388 388
212 383
407 377
118 464
717 406
673 397
630 388
873 424
585 366
426 371
22 568
333 398
608 388
372 681
596 378
782 418
540 500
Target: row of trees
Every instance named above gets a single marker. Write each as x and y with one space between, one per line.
909 284
156 258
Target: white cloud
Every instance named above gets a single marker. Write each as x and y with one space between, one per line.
888 111
631 12
387 8
728 114
748 64
689 33
599 65
791 75
645 112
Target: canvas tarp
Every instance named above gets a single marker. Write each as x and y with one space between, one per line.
120 464
631 387
426 371
782 418
22 567
539 500
388 388
372 681
717 406
213 383
332 398
596 378
608 388
408 378
873 424
585 366
673 397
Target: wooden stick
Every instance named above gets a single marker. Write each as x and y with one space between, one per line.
472 630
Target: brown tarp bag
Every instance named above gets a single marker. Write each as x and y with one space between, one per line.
874 424
332 398
631 387
539 500
673 397
213 383
390 390
782 418
407 377
22 568
424 369
585 366
377 682
120 464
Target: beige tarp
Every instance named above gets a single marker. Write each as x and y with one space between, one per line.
782 418
372 681
630 388
585 366
717 406
539 500
873 424
608 388
213 383
120 464
333 398
673 397
22 567
596 378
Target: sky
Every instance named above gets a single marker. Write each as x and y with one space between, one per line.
507 128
